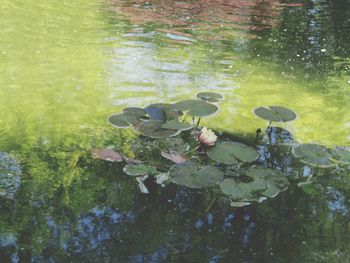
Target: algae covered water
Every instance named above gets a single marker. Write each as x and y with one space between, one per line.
66 66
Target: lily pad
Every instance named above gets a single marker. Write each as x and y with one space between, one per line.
196 108
173 156
169 109
123 120
176 125
107 155
156 113
139 169
341 154
192 175
236 189
174 144
147 128
231 152
210 96
274 180
137 112
313 154
239 204
275 113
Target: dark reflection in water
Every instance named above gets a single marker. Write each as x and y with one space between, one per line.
100 216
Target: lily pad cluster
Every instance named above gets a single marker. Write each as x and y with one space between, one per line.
195 157
164 120
321 156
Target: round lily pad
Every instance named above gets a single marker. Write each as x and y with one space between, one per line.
231 152
174 144
192 175
137 112
236 189
147 128
139 169
169 109
313 154
196 108
274 180
275 113
176 125
341 154
209 96
156 113
123 120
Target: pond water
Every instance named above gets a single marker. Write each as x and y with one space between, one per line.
66 65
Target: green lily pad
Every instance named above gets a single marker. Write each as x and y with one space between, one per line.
236 189
147 128
274 180
341 154
169 110
231 152
176 125
139 169
137 112
209 96
275 113
196 108
156 113
177 145
192 175
123 120
313 154
154 129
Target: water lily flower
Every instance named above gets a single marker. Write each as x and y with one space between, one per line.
207 136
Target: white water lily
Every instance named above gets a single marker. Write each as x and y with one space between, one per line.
207 136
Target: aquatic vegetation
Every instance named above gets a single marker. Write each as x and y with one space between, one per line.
181 152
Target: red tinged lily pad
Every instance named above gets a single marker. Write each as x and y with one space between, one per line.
107 155
173 156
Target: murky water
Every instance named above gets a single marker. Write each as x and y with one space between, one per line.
66 65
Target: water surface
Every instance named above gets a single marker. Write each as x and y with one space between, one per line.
65 66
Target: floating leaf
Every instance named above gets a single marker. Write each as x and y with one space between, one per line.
137 112
107 155
196 108
209 96
231 152
313 154
275 113
169 109
274 180
142 185
341 154
123 120
156 113
162 178
236 189
173 156
147 128
176 125
239 204
191 174
177 145
153 129
139 169
131 160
